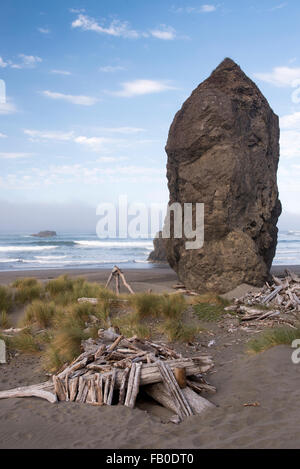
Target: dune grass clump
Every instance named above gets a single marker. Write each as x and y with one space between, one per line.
177 331
64 346
6 301
4 321
272 338
27 290
146 304
65 290
130 325
39 313
24 342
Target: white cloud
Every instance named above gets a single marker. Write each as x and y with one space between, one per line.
281 77
142 87
290 121
290 135
116 28
14 156
3 64
122 130
7 108
61 72
208 8
279 7
111 159
111 68
80 174
37 135
3 135
44 30
166 33
94 143
27 61
80 100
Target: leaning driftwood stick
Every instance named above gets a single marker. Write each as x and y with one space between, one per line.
73 389
136 386
130 384
159 393
272 295
112 387
99 389
59 389
125 283
182 406
106 388
123 386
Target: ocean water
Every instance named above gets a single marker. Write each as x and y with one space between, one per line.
66 251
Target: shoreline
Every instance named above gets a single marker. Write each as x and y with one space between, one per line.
155 272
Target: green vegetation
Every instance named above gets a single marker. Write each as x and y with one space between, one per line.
210 307
272 338
6 302
56 323
27 290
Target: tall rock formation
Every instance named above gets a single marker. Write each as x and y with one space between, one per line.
223 151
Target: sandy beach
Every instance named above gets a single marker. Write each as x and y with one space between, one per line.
270 379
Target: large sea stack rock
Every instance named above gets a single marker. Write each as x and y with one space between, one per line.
223 151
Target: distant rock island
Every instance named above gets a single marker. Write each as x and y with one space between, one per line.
45 234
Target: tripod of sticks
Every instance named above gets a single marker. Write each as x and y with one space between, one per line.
118 276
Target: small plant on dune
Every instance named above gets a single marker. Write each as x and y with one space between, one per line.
25 282
130 325
27 290
146 304
210 307
58 285
40 313
272 338
172 306
4 321
24 342
64 347
5 299
177 331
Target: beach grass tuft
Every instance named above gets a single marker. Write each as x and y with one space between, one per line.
27 290
6 301
272 338
39 313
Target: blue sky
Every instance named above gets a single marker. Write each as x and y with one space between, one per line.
92 88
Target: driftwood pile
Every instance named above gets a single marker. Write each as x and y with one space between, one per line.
113 370
283 296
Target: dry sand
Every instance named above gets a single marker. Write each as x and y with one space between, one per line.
270 379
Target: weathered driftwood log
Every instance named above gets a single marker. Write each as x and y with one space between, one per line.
150 373
40 390
93 301
133 385
112 387
182 406
123 386
159 393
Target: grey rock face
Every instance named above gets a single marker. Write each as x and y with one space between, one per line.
223 151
